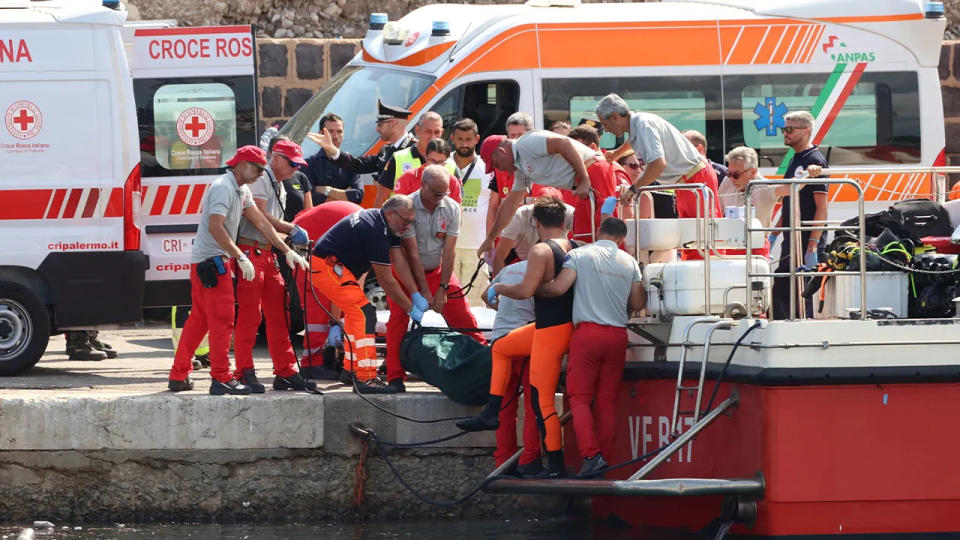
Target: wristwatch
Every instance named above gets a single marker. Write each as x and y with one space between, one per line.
326 192
444 286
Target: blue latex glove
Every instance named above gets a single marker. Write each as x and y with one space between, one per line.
492 296
416 313
335 337
609 205
298 236
420 302
773 240
810 259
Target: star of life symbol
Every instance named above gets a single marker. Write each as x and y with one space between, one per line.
195 126
769 115
23 119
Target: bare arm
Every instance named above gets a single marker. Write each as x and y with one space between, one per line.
277 224
820 215
559 284
259 220
500 255
638 297
447 262
401 265
540 255
415 267
492 208
219 232
564 147
307 201
390 286
651 171
504 214
614 155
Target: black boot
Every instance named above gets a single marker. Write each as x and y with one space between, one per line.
293 382
592 467
487 420
99 345
249 379
554 466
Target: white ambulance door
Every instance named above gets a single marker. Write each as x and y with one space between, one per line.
196 104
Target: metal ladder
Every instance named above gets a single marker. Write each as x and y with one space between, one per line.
716 323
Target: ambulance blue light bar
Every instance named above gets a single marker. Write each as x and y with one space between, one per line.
933 10
378 20
440 28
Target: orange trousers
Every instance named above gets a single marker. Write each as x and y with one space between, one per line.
334 281
545 347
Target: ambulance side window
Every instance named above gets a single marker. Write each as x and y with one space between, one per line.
686 102
487 103
877 120
192 126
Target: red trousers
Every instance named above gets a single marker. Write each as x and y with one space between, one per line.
594 370
318 321
456 312
267 292
507 432
212 310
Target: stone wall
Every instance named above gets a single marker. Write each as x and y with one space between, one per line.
292 70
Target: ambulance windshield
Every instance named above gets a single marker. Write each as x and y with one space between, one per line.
352 95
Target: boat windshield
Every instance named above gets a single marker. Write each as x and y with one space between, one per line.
352 95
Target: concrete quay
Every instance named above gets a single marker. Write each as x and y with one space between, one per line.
104 442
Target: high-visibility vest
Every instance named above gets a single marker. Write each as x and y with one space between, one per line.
404 162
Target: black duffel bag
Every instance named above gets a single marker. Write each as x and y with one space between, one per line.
453 362
922 217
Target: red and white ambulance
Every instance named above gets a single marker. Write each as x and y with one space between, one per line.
111 132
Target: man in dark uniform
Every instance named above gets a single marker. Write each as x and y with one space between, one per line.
329 182
429 127
391 125
797 133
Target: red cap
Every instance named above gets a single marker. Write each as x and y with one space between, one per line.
486 150
290 150
253 154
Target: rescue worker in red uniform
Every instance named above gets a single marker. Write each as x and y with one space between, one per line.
545 340
607 287
605 180
430 250
345 253
211 273
267 290
322 333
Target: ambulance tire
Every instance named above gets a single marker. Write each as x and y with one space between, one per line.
24 329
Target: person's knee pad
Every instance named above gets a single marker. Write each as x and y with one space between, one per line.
370 318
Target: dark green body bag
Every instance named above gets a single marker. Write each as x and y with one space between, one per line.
451 361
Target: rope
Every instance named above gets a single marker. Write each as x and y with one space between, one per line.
465 289
360 474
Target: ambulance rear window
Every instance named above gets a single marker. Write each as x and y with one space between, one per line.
192 126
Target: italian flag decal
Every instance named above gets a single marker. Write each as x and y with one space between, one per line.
834 95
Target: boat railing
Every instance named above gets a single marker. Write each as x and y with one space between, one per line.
796 228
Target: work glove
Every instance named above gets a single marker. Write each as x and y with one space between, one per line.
246 267
492 296
810 259
420 302
298 236
609 205
416 313
294 260
335 337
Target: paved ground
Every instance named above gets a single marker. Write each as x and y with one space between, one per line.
142 366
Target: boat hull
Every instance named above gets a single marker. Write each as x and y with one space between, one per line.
835 458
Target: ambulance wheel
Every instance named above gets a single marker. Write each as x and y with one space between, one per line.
24 329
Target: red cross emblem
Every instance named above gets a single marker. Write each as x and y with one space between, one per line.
195 126
23 119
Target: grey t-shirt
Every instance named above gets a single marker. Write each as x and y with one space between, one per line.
224 198
511 314
535 166
652 138
432 229
266 187
605 275
522 229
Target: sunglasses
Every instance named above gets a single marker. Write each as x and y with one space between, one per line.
633 165
292 163
736 175
435 192
790 129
